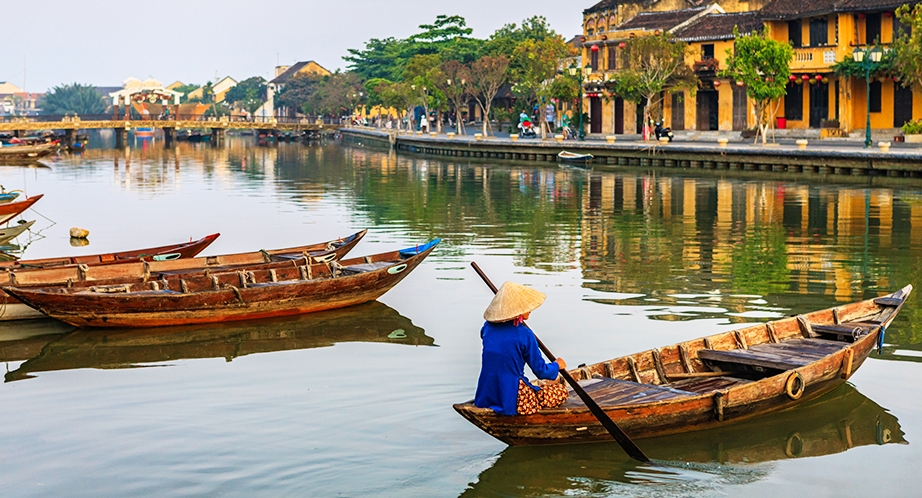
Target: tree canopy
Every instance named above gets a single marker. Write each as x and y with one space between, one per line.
764 66
907 47
248 94
74 98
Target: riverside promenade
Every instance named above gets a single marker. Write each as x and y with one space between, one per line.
810 157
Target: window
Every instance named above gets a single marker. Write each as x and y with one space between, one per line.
594 58
707 51
795 34
875 96
819 32
794 102
590 31
872 28
612 58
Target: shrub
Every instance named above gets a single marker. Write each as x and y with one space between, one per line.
913 127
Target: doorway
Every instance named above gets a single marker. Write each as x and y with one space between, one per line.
707 105
678 111
902 105
595 114
819 104
619 116
740 106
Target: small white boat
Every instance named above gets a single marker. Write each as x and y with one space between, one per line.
574 158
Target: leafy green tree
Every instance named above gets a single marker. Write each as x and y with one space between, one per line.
297 91
207 94
452 80
907 47
763 65
420 73
534 69
488 74
185 90
335 94
504 40
73 99
395 95
655 66
248 94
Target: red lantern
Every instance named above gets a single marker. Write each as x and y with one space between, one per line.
716 83
582 39
739 83
769 79
604 37
656 32
805 77
792 78
595 48
896 79
819 77
860 16
631 35
622 45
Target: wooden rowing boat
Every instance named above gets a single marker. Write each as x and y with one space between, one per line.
574 158
26 152
243 294
161 253
6 197
11 210
126 348
142 270
9 233
710 381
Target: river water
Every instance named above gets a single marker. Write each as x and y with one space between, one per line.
357 402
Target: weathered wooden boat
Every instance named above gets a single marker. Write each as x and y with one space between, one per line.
161 253
11 210
9 233
6 197
710 381
126 271
244 294
126 348
574 158
27 152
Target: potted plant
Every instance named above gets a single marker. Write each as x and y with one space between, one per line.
912 131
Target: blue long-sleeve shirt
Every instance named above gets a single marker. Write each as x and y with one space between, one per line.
506 350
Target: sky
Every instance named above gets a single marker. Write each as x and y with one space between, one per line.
103 42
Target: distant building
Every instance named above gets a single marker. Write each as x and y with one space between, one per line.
15 101
218 89
282 75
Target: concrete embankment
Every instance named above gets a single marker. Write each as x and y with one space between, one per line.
814 157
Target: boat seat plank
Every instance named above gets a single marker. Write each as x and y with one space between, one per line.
607 391
816 348
774 358
888 301
365 267
707 385
845 329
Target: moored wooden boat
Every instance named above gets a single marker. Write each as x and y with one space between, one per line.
126 271
11 210
244 294
6 197
9 233
710 381
574 158
27 152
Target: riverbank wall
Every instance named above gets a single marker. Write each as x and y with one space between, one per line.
814 158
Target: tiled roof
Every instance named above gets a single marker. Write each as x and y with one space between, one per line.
720 26
613 4
797 9
659 20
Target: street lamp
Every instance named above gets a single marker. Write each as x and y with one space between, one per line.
867 59
574 70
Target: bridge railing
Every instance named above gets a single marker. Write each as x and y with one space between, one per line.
161 120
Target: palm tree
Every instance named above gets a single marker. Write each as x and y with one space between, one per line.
75 98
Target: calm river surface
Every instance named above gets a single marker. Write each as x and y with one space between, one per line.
357 402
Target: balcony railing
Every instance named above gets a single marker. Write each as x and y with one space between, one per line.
814 58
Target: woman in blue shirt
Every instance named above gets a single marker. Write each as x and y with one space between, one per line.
508 344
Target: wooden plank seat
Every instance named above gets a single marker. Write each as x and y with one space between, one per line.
786 355
848 331
888 301
606 392
363 267
709 384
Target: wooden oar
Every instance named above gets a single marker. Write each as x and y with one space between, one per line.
620 437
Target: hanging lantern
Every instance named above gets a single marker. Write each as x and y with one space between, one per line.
595 48
604 37
805 77
622 45
631 35
792 78
582 39
656 32
716 83
769 79
819 77
896 79
739 83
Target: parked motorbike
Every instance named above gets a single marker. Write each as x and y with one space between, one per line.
660 131
527 130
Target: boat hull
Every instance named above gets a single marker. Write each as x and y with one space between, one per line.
11 210
226 302
675 413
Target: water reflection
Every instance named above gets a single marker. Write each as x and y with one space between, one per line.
698 461
128 348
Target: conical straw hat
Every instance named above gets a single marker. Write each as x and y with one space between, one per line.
511 301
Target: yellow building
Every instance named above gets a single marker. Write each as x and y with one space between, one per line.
823 33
